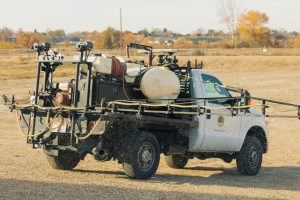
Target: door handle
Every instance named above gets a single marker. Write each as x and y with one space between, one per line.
208 116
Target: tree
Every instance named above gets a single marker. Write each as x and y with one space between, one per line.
5 33
127 37
56 36
211 33
26 39
279 37
156 32
229 13
296 41
108 39
199 32
252 28
145 32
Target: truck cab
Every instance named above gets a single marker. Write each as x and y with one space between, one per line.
220 131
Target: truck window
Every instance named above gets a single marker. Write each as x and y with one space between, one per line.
212 87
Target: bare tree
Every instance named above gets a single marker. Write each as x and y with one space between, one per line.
229 13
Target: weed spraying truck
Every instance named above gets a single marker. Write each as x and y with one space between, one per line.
133 111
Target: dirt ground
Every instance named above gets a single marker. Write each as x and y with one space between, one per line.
25 173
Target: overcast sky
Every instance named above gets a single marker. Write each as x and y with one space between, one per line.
178 15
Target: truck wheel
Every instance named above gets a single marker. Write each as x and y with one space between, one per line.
143 159
176 161
249 159
66 160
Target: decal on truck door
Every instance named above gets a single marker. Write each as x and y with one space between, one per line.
220 120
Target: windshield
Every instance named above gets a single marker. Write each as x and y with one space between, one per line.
213 87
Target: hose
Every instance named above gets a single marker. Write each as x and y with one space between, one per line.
91 132
46 129
49 125
182 106
31 135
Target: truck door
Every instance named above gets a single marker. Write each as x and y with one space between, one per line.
196 134
221 128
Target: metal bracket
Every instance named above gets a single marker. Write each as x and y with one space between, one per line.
201 111
170 110
234 112
264 107
114 108
141 109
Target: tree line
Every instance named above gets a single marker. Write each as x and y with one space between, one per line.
244 29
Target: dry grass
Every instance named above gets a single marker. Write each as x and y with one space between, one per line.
23 66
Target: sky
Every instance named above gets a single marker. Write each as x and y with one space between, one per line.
182 16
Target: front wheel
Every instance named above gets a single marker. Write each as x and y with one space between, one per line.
176 161
66 160
143 159
249 159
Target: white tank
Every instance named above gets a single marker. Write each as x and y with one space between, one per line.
160 83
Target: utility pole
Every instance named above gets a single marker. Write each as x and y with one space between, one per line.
121 42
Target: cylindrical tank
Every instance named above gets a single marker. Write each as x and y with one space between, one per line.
116 67
160 83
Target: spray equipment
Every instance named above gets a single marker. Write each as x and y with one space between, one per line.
41 47
84 46
148 49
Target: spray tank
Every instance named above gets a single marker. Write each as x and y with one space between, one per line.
160 83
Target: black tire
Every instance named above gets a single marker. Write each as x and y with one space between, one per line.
176 161
249 159
66 160
142 157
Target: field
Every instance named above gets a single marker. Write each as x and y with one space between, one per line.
25 173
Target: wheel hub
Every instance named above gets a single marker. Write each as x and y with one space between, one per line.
254 158
146 156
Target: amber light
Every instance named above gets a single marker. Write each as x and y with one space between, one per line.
249 102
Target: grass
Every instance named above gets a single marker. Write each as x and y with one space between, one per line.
20 64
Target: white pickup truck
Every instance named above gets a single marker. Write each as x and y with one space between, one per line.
134 116
216 133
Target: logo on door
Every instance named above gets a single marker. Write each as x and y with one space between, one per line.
220 120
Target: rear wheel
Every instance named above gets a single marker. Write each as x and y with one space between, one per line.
249 159
143 159
176 161
66 160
